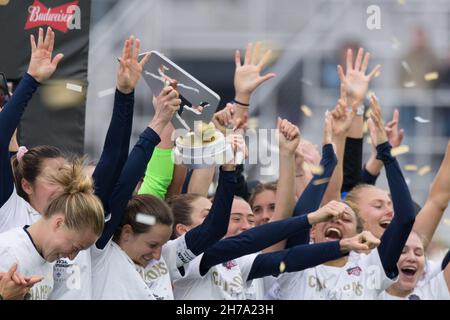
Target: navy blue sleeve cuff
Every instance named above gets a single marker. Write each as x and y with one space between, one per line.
384 153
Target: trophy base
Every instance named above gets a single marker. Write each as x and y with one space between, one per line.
196 154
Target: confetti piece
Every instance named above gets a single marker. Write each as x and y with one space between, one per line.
306 110
421 120
405 65
369 140
145 219
399 150
424 170
313 168
410 167
409 84
74 87
447 221
377 74
307 82
4 2
430 76
106 92
320 181
408 181
402 2
282 267
368 113
395 43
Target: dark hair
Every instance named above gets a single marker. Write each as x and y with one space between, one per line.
147 205
261 187
181 206
30 166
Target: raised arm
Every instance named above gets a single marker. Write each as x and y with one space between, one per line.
40 68
357 84
215 225
373 167
263 236
168 103
395 236
341 121
117 141
431 214
248 77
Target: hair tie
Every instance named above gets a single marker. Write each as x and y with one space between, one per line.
21 152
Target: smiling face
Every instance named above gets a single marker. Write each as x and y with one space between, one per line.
410 265
65 243
375 208
264 206
241 219
144 247
200 210
345 227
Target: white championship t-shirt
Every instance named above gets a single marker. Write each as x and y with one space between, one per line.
17 212
73 278
222 282
435 289
114 275
17 247
159 274
362 277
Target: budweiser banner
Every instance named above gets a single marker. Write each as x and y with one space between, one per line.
56 114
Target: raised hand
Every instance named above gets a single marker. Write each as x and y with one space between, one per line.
376 124
342 117
130 68
355 79
333 210
224 118
395 136
248 76
166 105
239 148
361 243
288 136
42 66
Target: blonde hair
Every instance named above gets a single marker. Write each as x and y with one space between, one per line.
81 208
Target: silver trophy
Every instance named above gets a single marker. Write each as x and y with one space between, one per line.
197 143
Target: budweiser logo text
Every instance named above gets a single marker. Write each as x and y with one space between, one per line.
61 18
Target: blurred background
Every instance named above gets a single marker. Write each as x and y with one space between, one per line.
308 38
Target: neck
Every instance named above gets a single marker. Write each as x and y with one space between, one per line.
37 232
397 292
338 262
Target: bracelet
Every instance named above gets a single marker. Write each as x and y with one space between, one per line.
242 104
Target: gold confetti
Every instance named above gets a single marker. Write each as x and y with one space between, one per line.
377 74
430 76
282 266
306 110
313 168
410 167
365 127
369 140
399 150
424 170
320 181
368 113
4 2
402 2
447 221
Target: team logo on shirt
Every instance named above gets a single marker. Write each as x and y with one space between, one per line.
229 264
356 271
